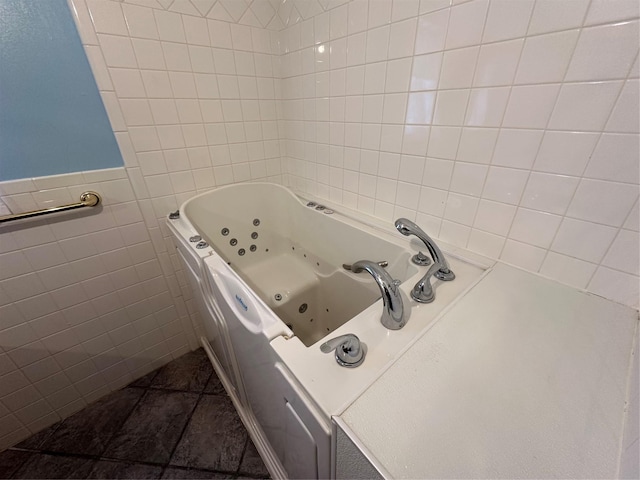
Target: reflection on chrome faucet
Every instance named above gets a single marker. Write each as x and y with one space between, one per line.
393 307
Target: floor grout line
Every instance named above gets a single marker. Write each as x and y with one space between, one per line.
186 425
31 453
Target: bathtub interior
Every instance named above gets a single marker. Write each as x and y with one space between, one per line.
292 255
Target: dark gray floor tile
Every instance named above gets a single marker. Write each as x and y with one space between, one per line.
187 474
144 381
89 431
35 441
215 437
252 464
153 429
188 373
214 386
41 465
11 461
108 469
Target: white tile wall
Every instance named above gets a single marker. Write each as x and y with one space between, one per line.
491 123
75 291
194 101
521 119
87 304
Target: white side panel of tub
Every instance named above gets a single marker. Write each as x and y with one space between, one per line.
301 456
351 462
630 458
314 423
268 386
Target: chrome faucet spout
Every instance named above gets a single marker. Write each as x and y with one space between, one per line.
407 227
393 306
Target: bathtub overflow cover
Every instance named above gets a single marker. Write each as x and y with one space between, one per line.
256 221
225 231
278 297
303 308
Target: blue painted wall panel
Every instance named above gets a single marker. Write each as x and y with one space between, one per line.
52 119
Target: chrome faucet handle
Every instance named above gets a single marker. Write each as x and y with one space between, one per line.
349 350
421 259
423 290
407 227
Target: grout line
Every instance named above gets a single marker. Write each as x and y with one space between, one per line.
164 466
244 451
557 95
485 127
108 442
586 166
186 425
23 462
466 110
418 15
406 111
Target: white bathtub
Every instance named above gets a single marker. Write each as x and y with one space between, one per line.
270 288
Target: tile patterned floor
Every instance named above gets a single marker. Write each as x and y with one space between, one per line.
176 422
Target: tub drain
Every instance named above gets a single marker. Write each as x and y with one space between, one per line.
278 297
303 308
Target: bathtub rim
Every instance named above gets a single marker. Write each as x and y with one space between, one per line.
349 215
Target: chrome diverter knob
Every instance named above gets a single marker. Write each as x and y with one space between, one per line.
349 350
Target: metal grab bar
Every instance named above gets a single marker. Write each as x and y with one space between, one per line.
87 199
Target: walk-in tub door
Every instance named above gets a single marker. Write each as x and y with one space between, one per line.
215 329
251 326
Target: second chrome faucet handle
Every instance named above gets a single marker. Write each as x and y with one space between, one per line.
421 259
423 290
407 227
